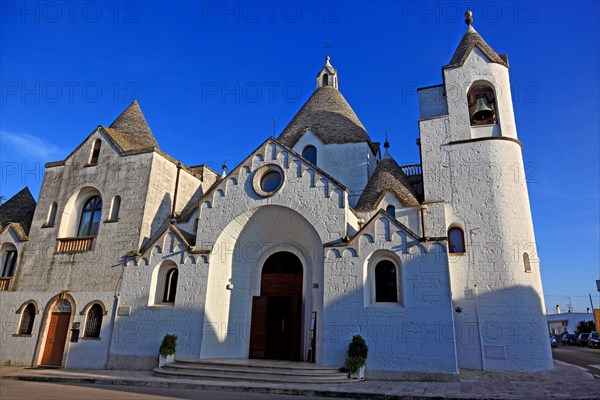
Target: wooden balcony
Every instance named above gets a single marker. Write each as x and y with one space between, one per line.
4 284
76 245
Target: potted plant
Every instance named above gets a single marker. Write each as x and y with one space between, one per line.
167 350
357 357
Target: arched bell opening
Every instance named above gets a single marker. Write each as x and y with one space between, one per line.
483 108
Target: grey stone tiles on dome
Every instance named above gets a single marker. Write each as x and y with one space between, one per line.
388 176
329 116
18 209
469 40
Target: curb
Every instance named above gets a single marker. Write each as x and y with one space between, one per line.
240 387
226 388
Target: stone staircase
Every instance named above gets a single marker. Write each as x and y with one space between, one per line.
251 370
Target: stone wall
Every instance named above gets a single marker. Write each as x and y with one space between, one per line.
409 338
140 328
44 269
27 350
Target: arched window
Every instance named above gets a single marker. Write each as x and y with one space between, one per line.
526 262
93 322
9 263
456 240
386 282
27 318
170 286
51 214
391 210
95 152
114 209
90 217
310 153
325 80
482 104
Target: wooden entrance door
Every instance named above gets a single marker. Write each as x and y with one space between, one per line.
283 328
275 332
57 334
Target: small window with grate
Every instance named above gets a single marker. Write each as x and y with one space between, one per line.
27 319
93 322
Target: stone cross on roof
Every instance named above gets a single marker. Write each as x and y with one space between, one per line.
327 47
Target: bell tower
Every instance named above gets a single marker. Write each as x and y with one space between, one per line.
473 165
328 75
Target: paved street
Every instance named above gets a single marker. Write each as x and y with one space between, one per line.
18 390
565 381
581 356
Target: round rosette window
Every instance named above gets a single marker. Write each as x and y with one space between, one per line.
268 180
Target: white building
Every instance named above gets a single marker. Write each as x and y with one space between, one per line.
315 237
560 323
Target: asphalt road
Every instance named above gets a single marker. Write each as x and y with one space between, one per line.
19 390
584 357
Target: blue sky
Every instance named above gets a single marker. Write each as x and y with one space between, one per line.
211 77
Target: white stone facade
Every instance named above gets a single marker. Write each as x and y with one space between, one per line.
209 238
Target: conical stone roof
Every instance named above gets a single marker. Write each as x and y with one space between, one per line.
131 131
329 116
387 177
469 40
18 209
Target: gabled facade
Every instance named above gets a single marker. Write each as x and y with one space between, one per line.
313 238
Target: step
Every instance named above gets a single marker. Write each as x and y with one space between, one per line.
252 370
256 370
257 366
249 376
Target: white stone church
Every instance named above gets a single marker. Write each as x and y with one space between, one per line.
318 235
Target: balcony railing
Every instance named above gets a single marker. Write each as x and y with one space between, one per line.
75 245
413 169
4 284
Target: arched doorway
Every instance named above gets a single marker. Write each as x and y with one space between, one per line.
56 337
275 331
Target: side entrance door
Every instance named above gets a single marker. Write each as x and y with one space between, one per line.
56 338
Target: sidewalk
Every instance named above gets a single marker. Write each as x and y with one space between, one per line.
564 382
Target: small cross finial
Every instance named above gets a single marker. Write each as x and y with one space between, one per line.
386 144
224 166
327 47
469 17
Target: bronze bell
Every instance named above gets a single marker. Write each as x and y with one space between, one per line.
483 109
